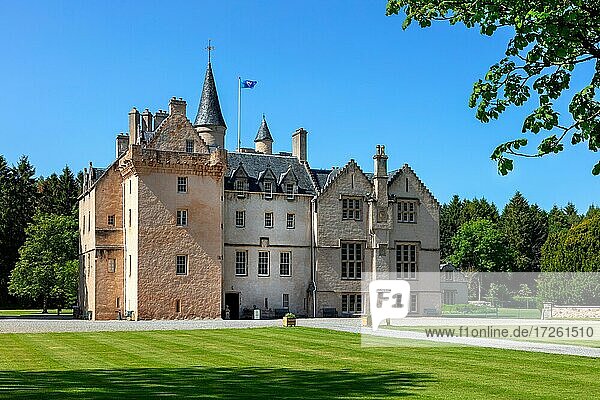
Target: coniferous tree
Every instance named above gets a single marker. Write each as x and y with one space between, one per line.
525 227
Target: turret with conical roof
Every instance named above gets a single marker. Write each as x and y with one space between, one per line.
209 122
264 140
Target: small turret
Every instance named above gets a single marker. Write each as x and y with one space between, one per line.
264 140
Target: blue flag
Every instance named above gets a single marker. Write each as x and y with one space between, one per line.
248 84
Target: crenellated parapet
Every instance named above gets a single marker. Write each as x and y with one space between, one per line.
143 161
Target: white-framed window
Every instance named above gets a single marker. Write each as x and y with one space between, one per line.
111 220
290 222
240 187
263 263
285 301
268 220
112 265
182 265
189 146
289 190
407 211
240 219
414 303
352 260
241 263
182 217
268 187
351 208
450 297
352 303
285 265
182 182
130 265
407 264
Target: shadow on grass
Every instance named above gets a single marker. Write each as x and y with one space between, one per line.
202 382
39 317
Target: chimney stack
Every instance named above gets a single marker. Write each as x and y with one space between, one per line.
122 143
146 121
380 178
299 144
159 117
177 106
134 125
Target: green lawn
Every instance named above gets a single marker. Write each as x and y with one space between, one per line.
32 313
265 363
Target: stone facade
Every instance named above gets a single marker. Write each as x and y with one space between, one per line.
177 227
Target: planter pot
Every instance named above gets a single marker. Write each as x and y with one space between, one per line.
289 321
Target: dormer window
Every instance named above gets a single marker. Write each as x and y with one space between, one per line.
268 188
289 190
240 188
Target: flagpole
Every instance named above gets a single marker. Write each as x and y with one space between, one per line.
239 138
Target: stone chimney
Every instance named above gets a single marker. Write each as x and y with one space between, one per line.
134 126
159 117
380 178
177 106
147 121
122 143
299 144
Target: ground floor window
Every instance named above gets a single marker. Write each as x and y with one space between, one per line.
450 297
414 306
352 303
286 301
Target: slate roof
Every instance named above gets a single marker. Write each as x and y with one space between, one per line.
324 176
263 132
255 165
209 110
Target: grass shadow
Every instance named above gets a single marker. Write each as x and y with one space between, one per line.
205 382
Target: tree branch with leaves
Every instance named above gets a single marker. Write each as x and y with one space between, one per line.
551 38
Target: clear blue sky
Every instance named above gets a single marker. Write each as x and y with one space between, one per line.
71 71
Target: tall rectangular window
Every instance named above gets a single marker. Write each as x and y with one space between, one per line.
263 263
351 208
89 220
268 186
182 182
285 268
352 260
406 260
112 265
130 217
240 219
285 301
182 265
130 265
414 305
407 211
182 217
189 146
241 262
352 303
111 220
268 220
291 221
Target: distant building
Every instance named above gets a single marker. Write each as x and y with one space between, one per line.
454 285
178 227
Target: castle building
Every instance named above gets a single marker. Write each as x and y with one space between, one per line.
178 227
